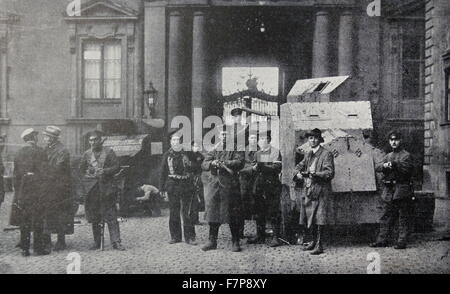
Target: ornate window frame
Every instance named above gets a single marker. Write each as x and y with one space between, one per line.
101 20
6 20
446 108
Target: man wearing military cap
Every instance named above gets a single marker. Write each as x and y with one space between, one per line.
397 170
60 213
98 166
29 205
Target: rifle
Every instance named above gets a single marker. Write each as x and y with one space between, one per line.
222 165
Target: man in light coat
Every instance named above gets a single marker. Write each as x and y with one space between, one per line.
314 173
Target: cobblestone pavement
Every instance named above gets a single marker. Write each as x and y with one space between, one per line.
148 252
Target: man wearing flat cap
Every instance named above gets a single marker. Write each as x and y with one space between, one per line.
98 166
314 174
29 205
397 170
60 213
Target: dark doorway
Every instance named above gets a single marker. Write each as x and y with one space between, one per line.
261 36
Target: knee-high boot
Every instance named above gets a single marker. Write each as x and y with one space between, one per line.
260 237
213 234
318 249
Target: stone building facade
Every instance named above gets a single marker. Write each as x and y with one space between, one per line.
437 99
78 69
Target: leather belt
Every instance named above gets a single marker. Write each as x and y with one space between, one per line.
178 177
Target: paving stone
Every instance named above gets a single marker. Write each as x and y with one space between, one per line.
148 251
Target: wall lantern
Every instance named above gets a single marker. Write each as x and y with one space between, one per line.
150 98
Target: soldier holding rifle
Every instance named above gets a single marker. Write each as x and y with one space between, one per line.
397 169
98 167
314 174
222 192
176 180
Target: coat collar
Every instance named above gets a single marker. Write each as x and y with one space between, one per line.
318 153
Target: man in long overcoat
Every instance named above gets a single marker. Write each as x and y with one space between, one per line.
98 167
222 192
28 210
60 213
314 173
397 170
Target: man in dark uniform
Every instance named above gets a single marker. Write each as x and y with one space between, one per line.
60 213
314 174
397 168
176 180
267 190
28 211
222 196
98 167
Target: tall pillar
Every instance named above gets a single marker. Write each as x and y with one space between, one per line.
345 50
321 45
199 70
176 104
155 46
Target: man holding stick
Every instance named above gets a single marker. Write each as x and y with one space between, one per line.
98 167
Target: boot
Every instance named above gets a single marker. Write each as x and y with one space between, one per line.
260 235
118 246
210 245
236 247
310 245
96 232
318 249
275 242
213 234
61 243
379 244
400 245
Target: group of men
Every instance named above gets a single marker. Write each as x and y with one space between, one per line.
246 184
43 202
238 184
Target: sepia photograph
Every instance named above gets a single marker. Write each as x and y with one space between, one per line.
219 139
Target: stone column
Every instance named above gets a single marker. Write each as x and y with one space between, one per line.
155 67
345 49
199 69
321 45
176 103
